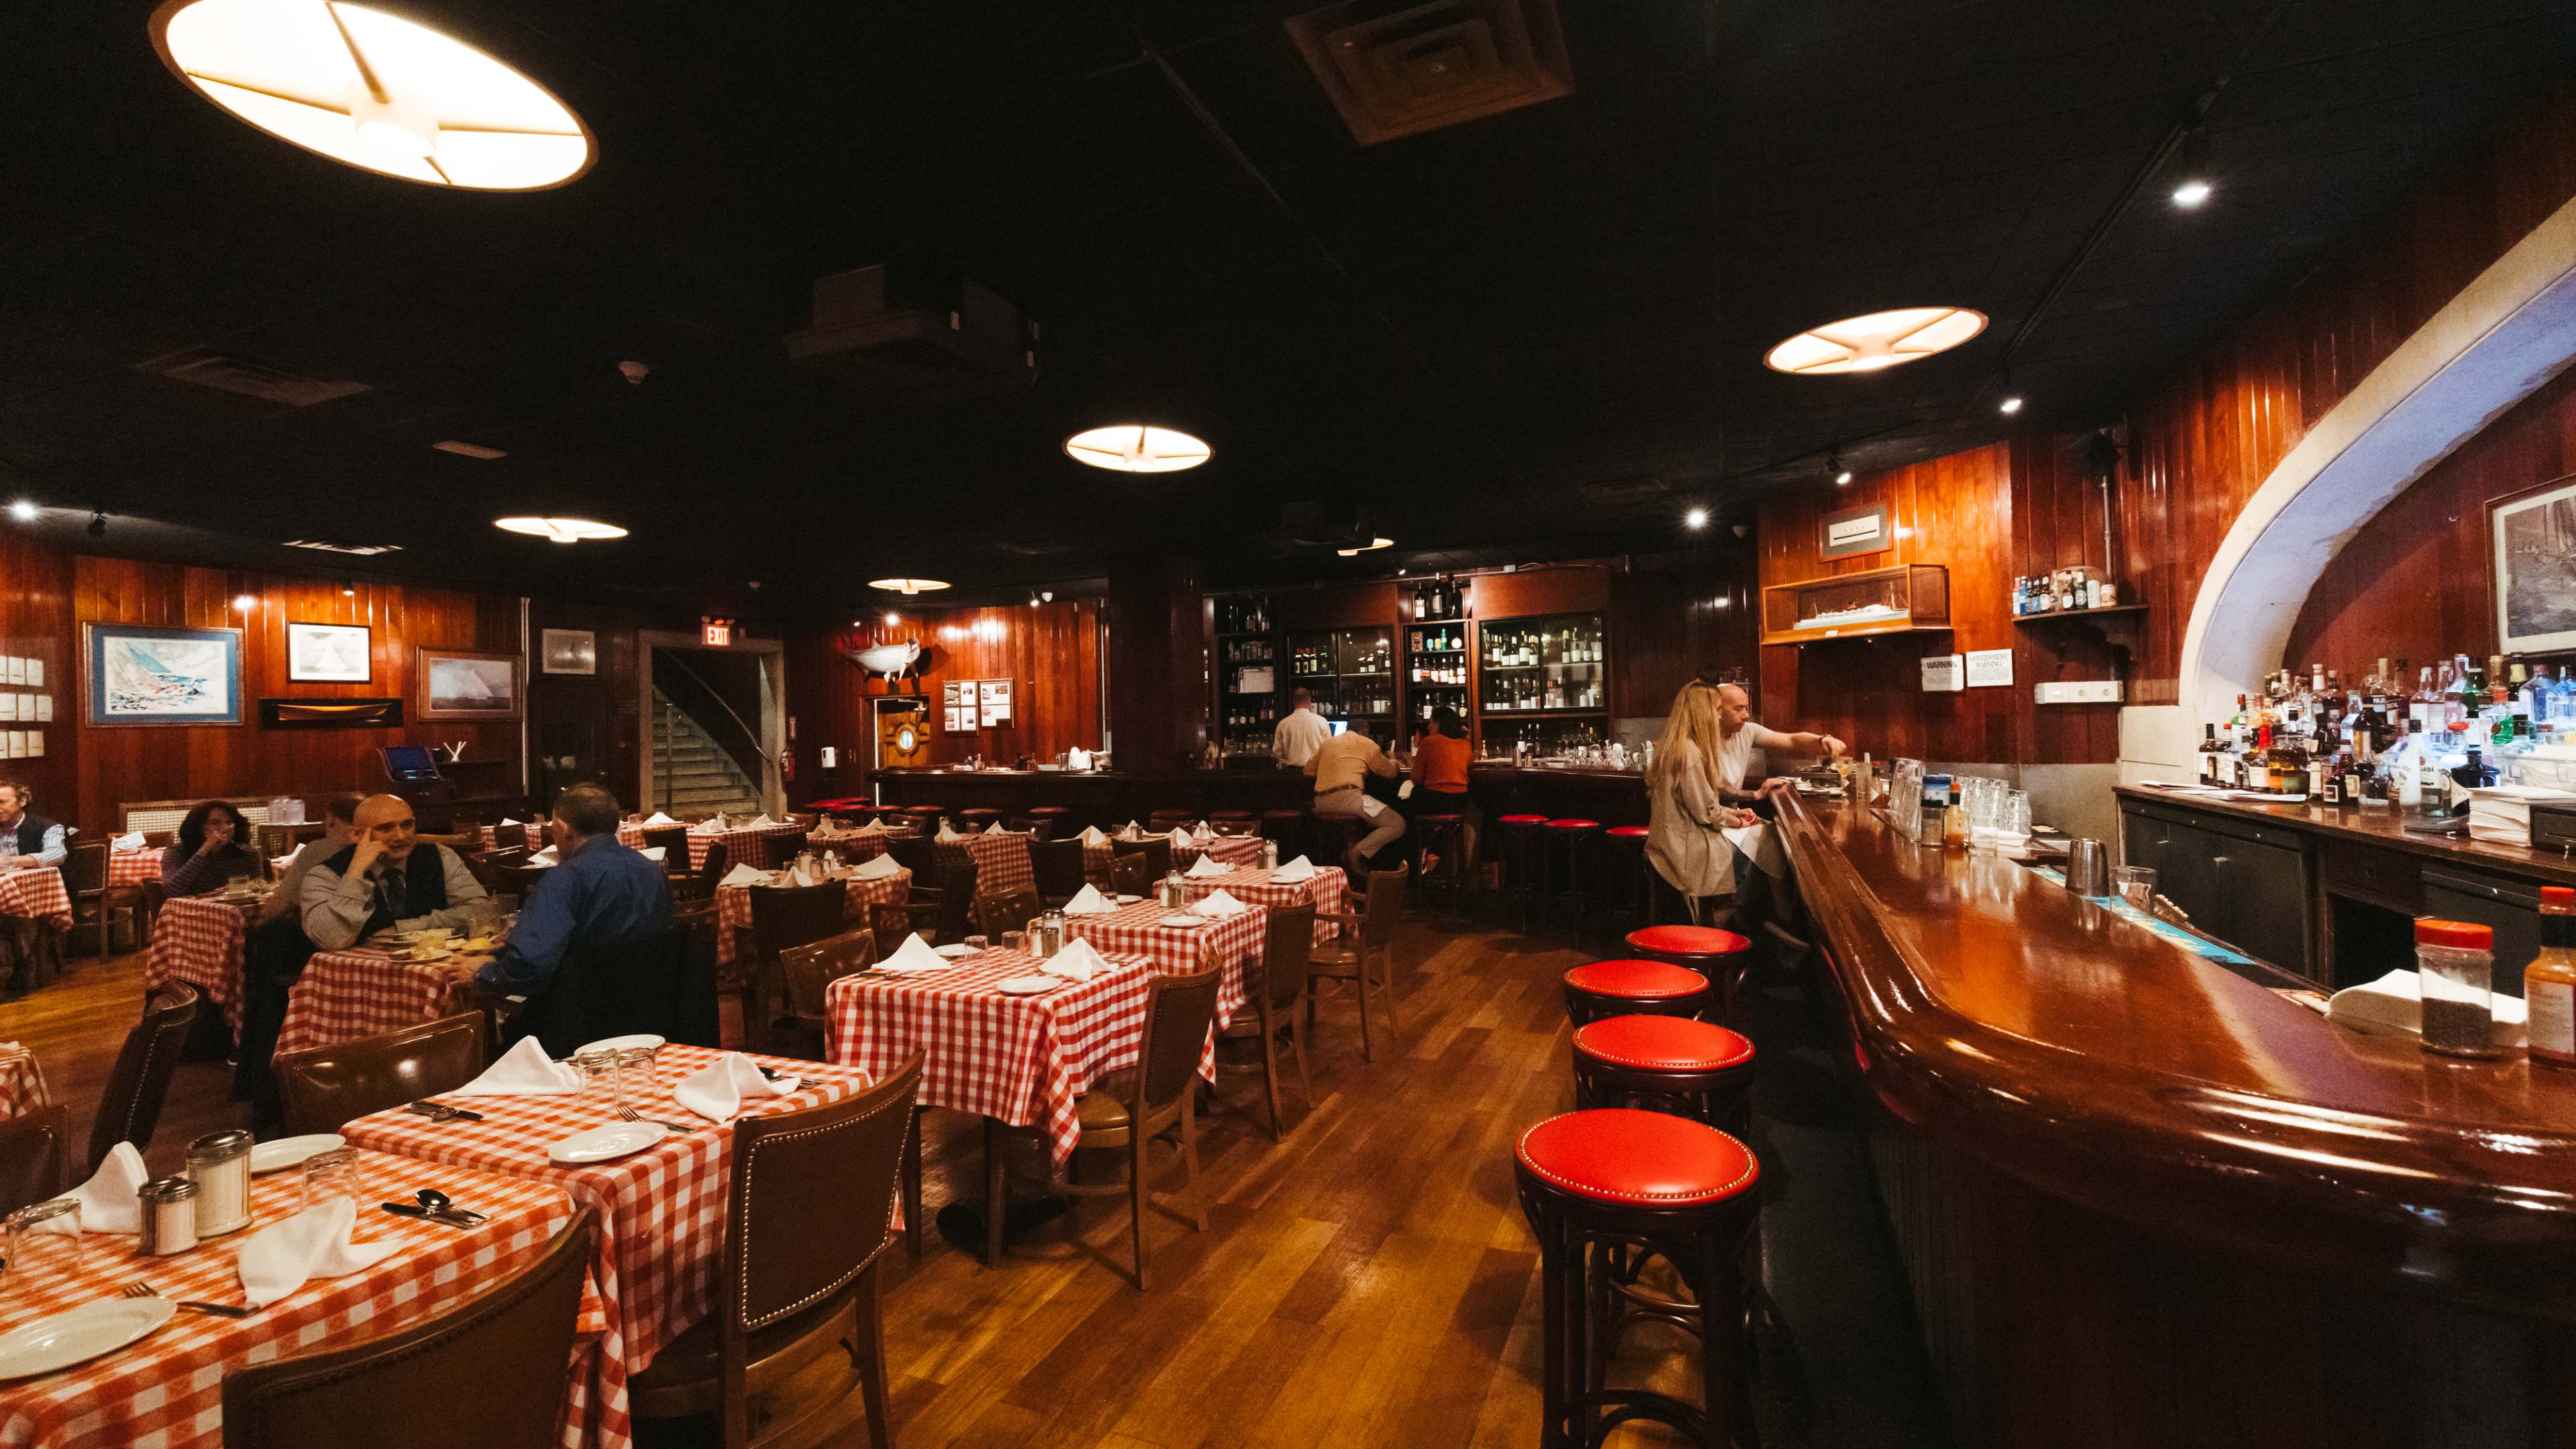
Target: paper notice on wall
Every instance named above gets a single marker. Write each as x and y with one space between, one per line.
966 693
13 670
1989 667
8 705
997 702
35 744
35 674
44 708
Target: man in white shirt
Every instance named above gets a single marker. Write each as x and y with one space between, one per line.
1301 734
1739 737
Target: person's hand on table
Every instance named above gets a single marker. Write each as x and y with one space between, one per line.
1734 819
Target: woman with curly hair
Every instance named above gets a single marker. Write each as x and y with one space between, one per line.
214 846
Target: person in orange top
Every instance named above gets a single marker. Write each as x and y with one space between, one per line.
1440 778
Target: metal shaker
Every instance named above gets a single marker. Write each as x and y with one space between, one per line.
2088 868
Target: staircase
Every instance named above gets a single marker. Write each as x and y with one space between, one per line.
702 779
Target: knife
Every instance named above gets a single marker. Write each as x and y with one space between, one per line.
415 1210
441 1112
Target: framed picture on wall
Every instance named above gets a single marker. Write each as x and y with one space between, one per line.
2533 534
142 674
1855 531
329 654
568 651
461 684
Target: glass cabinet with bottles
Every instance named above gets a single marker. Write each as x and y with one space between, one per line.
1351 673
1543 682
1436 655
1247 674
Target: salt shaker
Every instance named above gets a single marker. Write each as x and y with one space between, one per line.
168 1213
1176 892
1270 855
219 1164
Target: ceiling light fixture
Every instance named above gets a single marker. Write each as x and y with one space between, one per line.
1371 546
892 618
375 91
23 511
1834 465
464 449
1696 518
2010 405
2191 171
1137 448
560 530
1033 599
1880 339
349 588
908 587
1047 594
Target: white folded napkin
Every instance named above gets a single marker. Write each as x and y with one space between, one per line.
1218 903
506 820
657 818
1091 836
876 867
1076 962
946 831
524 1071
107 1199
1299 869
1203 830
276 1260
1132 831
718 1090
652 852
706 827
1207 865
131 840
1181 836
873 827
757 824
1077 758
1089 902
745 875
913 956
544 857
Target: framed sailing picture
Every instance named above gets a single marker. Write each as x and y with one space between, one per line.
328 654
2534 575
458 684
141 674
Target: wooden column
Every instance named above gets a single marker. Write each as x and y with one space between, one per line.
1158 662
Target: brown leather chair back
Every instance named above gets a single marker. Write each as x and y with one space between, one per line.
140 1081
674 840
512 837
1004 911
489 1372
914 854
785 916
85 868
1287 947
33 1148
809 970
322 1087
1178 1010
779 848
956 918
1058 865
696 890
1157 850
832 1164
1384 907
1130 874
717 862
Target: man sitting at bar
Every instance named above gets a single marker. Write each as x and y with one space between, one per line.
601 894
27 839
1340 767
390 877
1739 737
1301 734
339 829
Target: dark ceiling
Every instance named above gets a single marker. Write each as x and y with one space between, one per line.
1533 335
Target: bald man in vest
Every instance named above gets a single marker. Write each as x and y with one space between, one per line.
387 877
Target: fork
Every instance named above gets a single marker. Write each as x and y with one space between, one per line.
140 1289
631 1115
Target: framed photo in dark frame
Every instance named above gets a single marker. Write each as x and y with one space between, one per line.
329 654
467 684
2532 541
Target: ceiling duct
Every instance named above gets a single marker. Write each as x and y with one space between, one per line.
913 332
1396 70
205 367
1316 524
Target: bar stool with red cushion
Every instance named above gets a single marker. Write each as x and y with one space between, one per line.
1232 822
1603 1189
924 817
1695 1069
1718 955
1569 869
1057 819
1630 888
1524 859
1167 821
980 817
1622 987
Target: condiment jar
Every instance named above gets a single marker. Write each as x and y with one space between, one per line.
1176 890
2549 982
2454 964
219 1164
168 1212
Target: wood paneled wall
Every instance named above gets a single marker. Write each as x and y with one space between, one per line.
35 623
1676 616
1051 655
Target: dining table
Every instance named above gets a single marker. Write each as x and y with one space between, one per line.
134 867
661 1210
1328 890
1001 859
1156 932
22 1082
1226 849
744 844
376 987
199 940
36 893
734 938
165 1389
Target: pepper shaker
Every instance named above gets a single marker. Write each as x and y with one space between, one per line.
168 1214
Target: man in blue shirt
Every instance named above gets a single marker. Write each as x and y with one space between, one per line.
600 893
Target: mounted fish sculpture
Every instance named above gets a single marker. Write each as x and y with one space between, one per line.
886 659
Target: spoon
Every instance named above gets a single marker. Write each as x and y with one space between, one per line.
439 1204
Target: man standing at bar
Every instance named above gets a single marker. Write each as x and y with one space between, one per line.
1301 734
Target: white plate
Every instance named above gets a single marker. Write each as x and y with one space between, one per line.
955 950
605 1144
1129 900
286 1152
642 1039
59 1340
1184 920
1030 985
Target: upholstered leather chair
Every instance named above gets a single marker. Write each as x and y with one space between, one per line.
322 1087
1058 864
33 1148
1287 948
806 973
1364 954
139 1083
1004 911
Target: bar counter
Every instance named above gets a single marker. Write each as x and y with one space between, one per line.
2145 1199
1111 797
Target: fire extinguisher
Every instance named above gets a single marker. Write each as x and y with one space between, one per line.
787 766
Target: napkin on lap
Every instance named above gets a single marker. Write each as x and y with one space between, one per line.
1076 962
913 956
876 867
107 1199
718 1090
1217 903
745 875
1088 902
1206 865
524 1071
276 1260
1299 869
657 818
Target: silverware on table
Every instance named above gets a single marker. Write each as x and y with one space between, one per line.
631 1115
441 1112
140 1289
415 1210
439 1203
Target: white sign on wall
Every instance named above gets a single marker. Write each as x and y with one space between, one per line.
1942 673
1989 667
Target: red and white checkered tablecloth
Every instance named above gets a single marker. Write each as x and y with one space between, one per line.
22 1082
1026 1060
1227 849
1002 862
536 835
167 1390
36 894
134 867
741 843
661 1211
733 912
855 845
1138 930
1328 891
200 942
344 995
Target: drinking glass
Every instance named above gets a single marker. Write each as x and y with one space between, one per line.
2135 884
978 943
597 1067
634 1076
36 1255
2016 817
332 1174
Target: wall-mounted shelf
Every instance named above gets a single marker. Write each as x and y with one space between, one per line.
1905 599
2060 614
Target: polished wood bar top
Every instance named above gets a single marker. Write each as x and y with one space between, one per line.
2383 827
2015 1022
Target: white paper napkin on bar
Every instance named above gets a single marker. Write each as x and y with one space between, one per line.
107 1199
1076 962
279 1258
1299 869
718 1090
913 957
1088 901
1207 865
1218 903
524 1071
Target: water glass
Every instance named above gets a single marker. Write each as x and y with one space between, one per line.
597 1066
332 1174
1015 940
37 1254
2015 824
978 943
633 1078
2135 884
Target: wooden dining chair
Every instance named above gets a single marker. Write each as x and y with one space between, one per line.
1154 1099
33 1148
780 848
1288 944
1364 953
97 904
806 974
488 1372
783 917
1001 911
322 1087
674 840
698 1019
716 864
787 1295
139 1082
1131 874
1157 850
1058 865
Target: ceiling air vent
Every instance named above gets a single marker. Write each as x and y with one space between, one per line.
207 368
912 332
334 546
1396 70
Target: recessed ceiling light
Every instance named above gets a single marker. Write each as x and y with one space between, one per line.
2010 405
1137 448
469 450
892 618
1696 518
2191 193
908 586
1881 339
374 91
561 530
245 602
23 511
1371 546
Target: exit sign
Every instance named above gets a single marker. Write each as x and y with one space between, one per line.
718 633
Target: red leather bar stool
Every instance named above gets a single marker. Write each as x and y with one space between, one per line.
1054 821
1631 987
1231 822
924 817
1571 844
1630 883
1288 829
1167 821
1524 860
1690 1068
1718 955
1441 836
981 817
1607 1186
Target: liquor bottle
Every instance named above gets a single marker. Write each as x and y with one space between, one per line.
2209 753
2549 982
